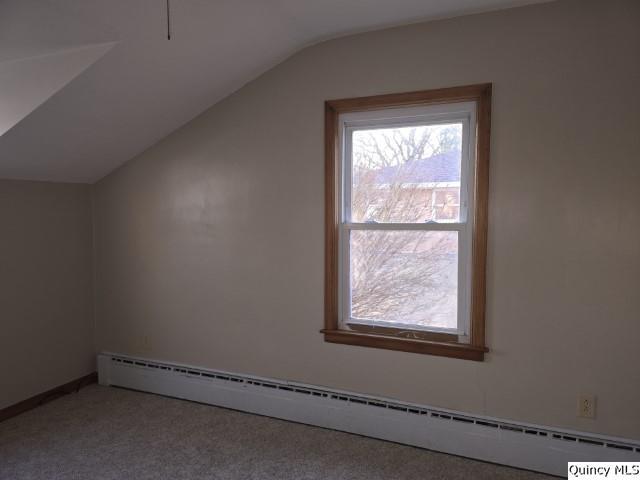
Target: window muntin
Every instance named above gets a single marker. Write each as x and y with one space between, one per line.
405 228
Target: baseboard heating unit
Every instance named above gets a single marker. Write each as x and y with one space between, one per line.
533 447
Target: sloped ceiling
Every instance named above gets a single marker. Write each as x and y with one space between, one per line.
85 85
26 83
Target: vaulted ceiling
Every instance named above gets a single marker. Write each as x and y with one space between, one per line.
85 85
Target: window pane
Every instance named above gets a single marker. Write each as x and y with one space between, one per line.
397 172
405 277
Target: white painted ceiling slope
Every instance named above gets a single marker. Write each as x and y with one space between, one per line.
86 85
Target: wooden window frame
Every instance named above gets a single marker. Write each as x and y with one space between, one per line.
433 343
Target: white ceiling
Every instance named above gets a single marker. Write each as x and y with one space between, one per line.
85 85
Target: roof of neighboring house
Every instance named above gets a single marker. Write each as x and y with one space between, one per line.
440 168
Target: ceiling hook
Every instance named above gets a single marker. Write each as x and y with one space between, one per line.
168 21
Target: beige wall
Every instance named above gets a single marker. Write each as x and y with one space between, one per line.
46 313
210 244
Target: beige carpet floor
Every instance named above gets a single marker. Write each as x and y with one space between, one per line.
109 433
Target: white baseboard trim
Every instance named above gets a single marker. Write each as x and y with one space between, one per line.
533 447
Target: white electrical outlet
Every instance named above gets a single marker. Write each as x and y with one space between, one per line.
586 406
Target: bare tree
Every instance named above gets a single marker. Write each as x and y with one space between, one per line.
399 276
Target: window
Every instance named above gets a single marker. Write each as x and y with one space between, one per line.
406 221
